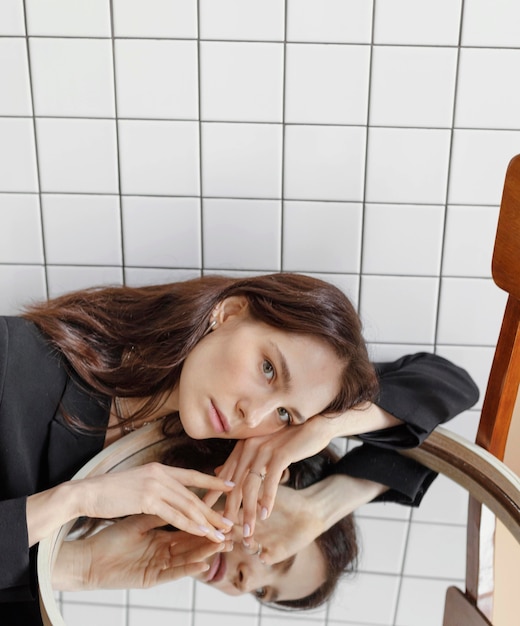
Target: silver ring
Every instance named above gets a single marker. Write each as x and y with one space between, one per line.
259 550
261 476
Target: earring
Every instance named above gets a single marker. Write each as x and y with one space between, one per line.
211 327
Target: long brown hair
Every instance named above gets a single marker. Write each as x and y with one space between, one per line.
132 341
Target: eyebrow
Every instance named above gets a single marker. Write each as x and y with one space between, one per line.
286 378
283 567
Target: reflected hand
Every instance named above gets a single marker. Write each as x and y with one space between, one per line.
131 553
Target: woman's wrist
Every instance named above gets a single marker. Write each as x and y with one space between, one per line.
48 510
71 567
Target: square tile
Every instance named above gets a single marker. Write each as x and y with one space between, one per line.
446 502
12 20
326 84
77 155
412 86
72 18
407 165
402 239
209 619
436 551
17 155
173 595
247 21
382 545
242 160
20 285
470 311
485 78
15 97
488 23
156 78
241 81
469 241
476 360
86 614
399 309
478 165
155 18
430 22
354 599
324 163
380 352
423 600
72 77
62 279
159 157
242 234
140 276
20 229
329 21
322 236
158 617
161 232
81 230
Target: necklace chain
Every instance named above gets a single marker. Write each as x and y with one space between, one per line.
128 427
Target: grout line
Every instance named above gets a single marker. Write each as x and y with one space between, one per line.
448 181
36 157
199 104
118 152
284 139
365 174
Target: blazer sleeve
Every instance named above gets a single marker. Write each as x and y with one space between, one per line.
423 390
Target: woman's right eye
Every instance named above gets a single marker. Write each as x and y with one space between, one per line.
268 369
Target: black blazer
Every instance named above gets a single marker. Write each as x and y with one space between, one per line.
38 449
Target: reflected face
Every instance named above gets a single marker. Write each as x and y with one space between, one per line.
248 379
238 572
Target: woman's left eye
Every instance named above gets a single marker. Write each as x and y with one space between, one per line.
268 369
260 593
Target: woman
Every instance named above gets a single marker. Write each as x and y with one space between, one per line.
234 358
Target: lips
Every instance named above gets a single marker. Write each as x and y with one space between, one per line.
217 570
217 420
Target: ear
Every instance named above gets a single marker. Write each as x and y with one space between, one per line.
234 306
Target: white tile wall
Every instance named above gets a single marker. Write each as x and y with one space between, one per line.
364 142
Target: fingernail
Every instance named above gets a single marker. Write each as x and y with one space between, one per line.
229 483
204 529
227 521
219 535
247 530
263 513
246 544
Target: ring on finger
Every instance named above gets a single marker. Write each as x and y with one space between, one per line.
259 474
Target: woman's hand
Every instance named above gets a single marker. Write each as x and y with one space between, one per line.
154 489
131 553
268 456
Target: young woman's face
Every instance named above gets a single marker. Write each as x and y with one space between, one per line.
248 379
238 572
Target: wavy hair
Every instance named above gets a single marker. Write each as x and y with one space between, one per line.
132 341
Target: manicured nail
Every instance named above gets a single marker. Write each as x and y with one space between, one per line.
263 513
204 529
219 535
229 483
247 530
227 521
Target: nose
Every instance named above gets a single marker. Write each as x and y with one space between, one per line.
246 580
254 413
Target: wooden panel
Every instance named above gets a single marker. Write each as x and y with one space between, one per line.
460 612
